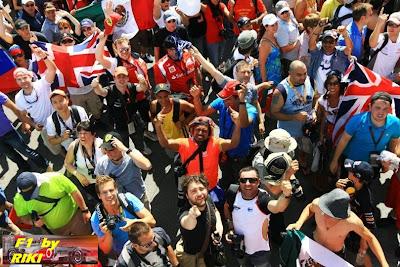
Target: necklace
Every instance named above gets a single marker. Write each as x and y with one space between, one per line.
33 92
301 98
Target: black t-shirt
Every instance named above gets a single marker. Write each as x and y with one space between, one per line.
17 39
361 204
122 107
160 36
193 239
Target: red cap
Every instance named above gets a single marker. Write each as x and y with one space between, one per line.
229 89
110 22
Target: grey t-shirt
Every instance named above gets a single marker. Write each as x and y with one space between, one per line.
127 174
287 34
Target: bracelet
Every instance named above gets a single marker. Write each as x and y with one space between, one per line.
86 210
128 151
242 103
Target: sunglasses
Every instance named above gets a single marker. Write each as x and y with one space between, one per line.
284 12
64 28
172 20
148 245
332 83
30 5
163 1
328 41
250 180
124 49
18 55
67 41
86 29
390 24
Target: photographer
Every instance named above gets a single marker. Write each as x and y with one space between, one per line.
200 225
80 162
248 209
114 216
61 124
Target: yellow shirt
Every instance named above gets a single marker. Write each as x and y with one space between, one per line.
328 8
171 129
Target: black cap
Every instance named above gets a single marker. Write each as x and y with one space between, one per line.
243 21
108 139
276 165
361 169
20 23
25 181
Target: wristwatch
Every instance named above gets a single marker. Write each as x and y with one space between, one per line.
128 151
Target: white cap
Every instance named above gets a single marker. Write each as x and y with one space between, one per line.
269 19
24 2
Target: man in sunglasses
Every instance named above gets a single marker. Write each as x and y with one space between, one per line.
248 209
147 245
160 7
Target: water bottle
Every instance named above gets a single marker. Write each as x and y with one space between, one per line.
360 258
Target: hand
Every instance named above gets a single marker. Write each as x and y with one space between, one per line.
234 116
142 81
102 36
38 223
159 119
33 38
341 183
82 179
294 167
261 128
242 92
38 127
95 82
255 63
292 226
194 211
342 30
228 235
382 18
333 167
65 135
118 145
108 9
301 116
195 91
86 216
286 188
26 128
104 228
39 52
128 224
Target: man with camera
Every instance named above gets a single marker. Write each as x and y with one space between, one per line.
51 201
61 124
248 209
115 215
201 226
124 165
368 133
147 247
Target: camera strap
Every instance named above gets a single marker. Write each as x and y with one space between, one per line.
376 142
100 212
75 118
47 200
211 221
199 151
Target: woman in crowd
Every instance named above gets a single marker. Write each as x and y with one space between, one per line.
81 159
65 27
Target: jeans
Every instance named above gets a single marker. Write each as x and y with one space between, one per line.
200 44
257 259
12 142
215 52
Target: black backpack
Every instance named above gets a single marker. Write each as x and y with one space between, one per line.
336 21
75 117
176 111
262 200
374 53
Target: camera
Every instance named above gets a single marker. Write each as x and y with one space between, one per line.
73 134
111 221
218 250
374 160
224 33
349 188
297 190
237 247
180 170
91 172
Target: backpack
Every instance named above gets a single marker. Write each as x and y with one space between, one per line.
176 111
74 115
262 200
226 68
374 53
336 21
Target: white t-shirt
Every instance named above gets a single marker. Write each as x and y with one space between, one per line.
343 12
51 128
160 21
387 57
331 112
323 69
37 104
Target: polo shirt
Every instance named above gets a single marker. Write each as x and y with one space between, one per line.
5 123
226 127
361 144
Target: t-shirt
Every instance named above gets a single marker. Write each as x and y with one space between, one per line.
287 34
52 185
37 104
17 39
5 123
304 55
387 57
127 174
120 237
343 12
214 24
361 204
323 69
328 8
226 127
160 36
157 257
245 8
160 21
69 124
361 144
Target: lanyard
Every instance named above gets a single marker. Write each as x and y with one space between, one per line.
90 159
72 119
302 98
376 142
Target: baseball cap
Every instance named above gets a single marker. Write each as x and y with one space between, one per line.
108 139
247 39
49 7
329 33
65 36
20 72
276 165
243 21
279 140
25 181
162 87
20 23
361 169
269 19
57 92
24 2
281 7
395 18
15 50
87 23
229 89
121 70
169 15
335 204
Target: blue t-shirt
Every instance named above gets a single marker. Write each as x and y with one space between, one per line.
5 123
356 37
119 236
226 127
361 144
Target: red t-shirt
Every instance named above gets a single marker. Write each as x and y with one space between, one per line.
210 160
143 12
135 65
214 25
246 8
177 73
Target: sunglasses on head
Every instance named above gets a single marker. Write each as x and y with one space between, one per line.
251 180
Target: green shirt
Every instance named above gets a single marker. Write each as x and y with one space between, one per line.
54 185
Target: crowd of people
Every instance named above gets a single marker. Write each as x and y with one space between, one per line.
268 73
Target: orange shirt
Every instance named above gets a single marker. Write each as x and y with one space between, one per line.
210 160
246 8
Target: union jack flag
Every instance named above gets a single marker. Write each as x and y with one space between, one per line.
363 83
77 65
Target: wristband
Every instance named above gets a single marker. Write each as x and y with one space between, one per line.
128 151
242 103
86 210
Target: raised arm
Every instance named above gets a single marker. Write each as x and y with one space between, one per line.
3 33
208 66
280 204
195 92
379 28
228 144
171 144
103 60
306 214
98 89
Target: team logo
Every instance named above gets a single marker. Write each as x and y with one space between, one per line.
171 69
